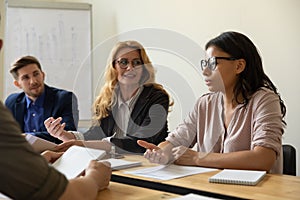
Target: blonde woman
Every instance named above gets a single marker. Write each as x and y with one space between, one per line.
130 105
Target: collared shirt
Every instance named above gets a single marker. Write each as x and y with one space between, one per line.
122 117
33 118
124 112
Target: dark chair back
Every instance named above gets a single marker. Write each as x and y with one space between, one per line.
289 159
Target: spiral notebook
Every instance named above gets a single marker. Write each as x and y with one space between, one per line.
240 177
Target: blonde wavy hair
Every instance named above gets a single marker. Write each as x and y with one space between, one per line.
108 94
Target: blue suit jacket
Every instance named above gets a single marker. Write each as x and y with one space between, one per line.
57 103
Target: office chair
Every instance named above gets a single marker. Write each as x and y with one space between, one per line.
289 159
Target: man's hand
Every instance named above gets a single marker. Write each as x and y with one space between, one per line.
100 172
56 129
51 156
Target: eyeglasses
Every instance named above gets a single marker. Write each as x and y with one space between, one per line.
123 63
211 63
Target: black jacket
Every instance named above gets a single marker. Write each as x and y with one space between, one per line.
148 122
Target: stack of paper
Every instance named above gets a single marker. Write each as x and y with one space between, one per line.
118 164
193 197
167 172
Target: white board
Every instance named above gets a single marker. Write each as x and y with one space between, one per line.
59 36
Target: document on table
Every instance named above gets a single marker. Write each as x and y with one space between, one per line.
2 196
193 197
167 172
118 164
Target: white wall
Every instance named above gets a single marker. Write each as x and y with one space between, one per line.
273 25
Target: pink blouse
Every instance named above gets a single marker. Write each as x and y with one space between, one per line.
256 124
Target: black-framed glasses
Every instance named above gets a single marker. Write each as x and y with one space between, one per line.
211 63
123 63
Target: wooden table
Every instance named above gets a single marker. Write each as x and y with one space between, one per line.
273 186
118 191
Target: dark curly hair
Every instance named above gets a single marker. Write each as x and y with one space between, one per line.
253 77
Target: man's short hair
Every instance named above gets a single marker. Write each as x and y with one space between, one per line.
22 62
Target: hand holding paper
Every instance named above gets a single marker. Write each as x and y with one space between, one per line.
100 171
51 156
73 162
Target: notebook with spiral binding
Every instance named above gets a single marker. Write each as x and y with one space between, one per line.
239 177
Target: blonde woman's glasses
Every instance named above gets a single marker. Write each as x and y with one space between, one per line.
124 62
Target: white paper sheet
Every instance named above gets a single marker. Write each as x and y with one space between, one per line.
2 196
76 159
193 197
117 164
167 172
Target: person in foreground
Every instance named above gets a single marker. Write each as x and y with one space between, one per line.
130 106
38 101
27 175
239 125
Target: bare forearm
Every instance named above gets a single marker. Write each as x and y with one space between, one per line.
66 136
80 188
166 146
258 159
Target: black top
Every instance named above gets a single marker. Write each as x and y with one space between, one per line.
148 122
